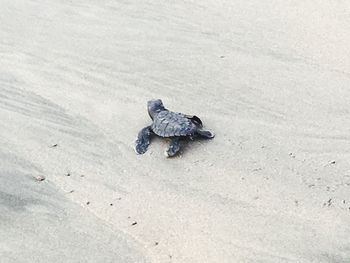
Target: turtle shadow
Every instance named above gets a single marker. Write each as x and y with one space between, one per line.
187 145
191 145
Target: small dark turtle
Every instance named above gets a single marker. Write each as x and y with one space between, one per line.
171 125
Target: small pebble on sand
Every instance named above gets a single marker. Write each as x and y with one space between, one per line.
39 178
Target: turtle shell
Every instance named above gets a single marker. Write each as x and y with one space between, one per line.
169 124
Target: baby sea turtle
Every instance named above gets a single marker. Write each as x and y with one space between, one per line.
171 125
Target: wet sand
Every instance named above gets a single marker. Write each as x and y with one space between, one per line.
270 79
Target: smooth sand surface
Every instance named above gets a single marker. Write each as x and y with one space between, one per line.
270 78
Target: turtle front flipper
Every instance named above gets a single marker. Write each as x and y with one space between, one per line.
174 147
143 140
205 134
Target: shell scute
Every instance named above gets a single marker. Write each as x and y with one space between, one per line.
169 124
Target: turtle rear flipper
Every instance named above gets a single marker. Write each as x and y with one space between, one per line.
143 140
174 147
205 134
196 120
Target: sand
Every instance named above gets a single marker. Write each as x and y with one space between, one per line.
270 78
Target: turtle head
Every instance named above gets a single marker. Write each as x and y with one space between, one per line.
154 107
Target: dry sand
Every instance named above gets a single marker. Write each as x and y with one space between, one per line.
270 78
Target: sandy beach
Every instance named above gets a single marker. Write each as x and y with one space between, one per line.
270 78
